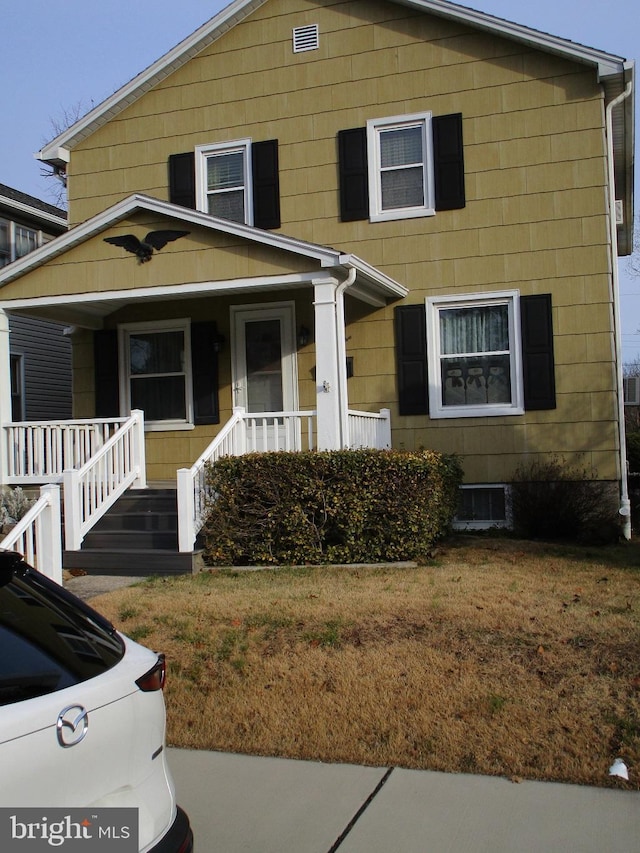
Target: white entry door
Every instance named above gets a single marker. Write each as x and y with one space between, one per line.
264 362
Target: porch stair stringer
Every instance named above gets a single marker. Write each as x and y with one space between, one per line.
137 536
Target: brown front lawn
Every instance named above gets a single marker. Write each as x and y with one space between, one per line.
500 657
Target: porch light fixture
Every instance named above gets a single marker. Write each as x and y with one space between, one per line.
303 336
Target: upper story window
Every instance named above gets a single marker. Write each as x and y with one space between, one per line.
26 240
16 241
223 180
474 356
401 167
400 156
5 243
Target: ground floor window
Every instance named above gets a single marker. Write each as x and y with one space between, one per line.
480 507
157 369
474 355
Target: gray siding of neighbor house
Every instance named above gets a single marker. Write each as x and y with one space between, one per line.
46 360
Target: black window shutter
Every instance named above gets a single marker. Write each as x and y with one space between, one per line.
266 184
411 355
448 158
204 367
537 352
182 179
105 362
354 176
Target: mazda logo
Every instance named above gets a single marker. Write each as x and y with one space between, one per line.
72 725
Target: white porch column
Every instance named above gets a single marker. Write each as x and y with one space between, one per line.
5 392
327 377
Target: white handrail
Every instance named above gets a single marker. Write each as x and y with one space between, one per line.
89 491
39 451
245 432
37 535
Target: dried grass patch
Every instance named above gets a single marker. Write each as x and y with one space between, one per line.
500 657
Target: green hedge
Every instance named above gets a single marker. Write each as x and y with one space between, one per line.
349 506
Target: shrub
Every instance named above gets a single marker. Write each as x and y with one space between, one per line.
347 506
553 500
14 504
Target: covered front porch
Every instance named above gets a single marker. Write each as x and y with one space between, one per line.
233 342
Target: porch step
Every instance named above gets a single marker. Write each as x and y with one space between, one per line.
137 536
139 562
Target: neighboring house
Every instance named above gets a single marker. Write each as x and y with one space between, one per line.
40 354
403 205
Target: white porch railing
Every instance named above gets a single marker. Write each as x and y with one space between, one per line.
370 429
90 490
37 453
245 432
37 536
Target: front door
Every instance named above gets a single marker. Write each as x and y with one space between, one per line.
265 375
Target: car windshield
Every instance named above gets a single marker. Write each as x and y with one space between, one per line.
49 639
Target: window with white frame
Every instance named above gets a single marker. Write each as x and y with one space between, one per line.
223 180
474 356
26 240
400 158
157 371
16 241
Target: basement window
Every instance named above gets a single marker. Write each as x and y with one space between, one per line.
481 507
306 38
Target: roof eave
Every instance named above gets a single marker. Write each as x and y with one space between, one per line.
57 151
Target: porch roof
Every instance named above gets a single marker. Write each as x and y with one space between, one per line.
88 309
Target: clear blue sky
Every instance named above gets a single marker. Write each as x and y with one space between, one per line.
55 56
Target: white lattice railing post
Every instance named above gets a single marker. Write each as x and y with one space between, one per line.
49 535
240 435
186 510
72 509
384 439
139 449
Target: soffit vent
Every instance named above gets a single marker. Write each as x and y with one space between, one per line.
306 38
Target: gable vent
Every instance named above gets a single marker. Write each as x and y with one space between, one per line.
306 38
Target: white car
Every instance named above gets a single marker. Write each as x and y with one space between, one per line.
82 716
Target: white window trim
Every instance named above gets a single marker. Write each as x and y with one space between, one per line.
374 127
179 325
436 408
202 152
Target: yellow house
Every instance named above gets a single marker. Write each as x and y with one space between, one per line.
329 224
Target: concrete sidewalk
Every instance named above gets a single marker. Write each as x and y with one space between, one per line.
246 804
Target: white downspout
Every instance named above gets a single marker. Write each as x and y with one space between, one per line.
341 348
625 503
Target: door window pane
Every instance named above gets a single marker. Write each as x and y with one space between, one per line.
263 352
